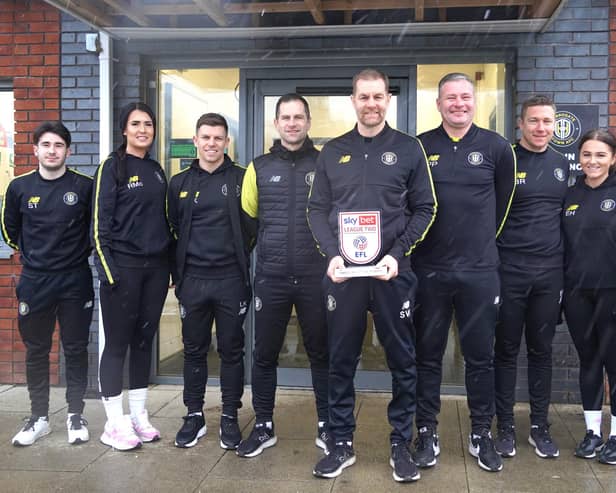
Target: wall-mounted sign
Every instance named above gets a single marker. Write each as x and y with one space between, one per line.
573 121
182 148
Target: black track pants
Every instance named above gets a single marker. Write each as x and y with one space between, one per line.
202 302
530 303
131 316
391 304
43 298
591 317
274 300
474 296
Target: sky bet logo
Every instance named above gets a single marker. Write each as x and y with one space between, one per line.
364 220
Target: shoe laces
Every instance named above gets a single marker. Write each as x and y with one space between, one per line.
30 422
588 438
399 451
543 432
424 439
506 431
485 439
76 421
227 423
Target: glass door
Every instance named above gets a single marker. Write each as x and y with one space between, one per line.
332 115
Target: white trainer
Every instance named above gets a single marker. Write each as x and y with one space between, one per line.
144 429
76 426
35 428
120 434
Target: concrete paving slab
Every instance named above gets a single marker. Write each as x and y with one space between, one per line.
4 388
288 460
216 485
49 453
157 466
53 465
34 481
16 400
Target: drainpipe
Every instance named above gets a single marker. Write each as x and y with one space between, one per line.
105 133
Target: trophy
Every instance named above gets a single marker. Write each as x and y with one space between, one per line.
359 235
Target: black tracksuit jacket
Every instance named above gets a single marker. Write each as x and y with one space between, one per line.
474 179
275 192
48 220
532 235
386 173
129 217
589 223
202 243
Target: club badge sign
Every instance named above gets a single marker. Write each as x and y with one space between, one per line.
359 237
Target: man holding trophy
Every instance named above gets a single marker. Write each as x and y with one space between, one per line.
371 202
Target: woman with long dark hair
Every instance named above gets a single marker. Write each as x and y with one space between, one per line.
131 239
589 223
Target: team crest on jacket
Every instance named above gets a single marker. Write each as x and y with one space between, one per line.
475 158
559 174
309 178
70 198
389 158
24 309
258 304
608 205
238 190
331 303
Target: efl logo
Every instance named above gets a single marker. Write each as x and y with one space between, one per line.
367 220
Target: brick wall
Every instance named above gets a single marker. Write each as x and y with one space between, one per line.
612 67
79 105
569 62
30 57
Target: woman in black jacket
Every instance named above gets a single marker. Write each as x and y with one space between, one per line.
589 223
131 239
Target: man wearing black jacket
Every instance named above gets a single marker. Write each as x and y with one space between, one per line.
211 276
531 249
289 268
457 266
46 217
372 201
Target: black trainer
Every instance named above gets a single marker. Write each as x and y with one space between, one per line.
588 447
324 439
405 470
332 464
190 432
505 440
608 452
540 438
261 437
482 447
229 432
427 448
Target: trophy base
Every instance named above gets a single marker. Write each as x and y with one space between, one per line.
361 271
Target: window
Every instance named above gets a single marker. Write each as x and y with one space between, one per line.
489 81
7 132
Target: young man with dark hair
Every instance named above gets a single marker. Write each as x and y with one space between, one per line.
46 217
457 266
289 268
371 202
211 275
531 249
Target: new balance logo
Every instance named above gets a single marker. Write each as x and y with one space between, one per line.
275 179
